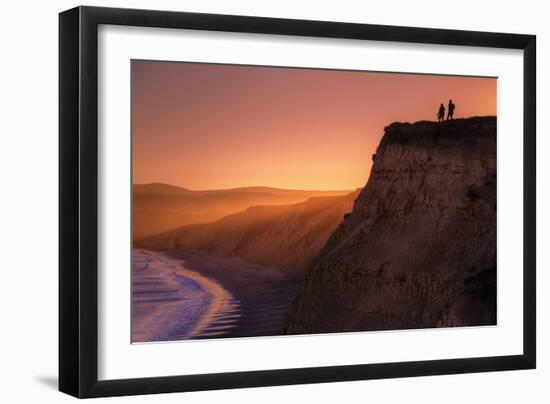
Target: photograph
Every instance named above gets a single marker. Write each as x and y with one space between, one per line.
273 201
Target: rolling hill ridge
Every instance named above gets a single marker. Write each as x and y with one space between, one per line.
285 237
158 208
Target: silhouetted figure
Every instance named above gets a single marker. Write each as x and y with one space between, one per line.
450 110
441 113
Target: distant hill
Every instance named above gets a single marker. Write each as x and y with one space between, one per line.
157 188
285 237
158 208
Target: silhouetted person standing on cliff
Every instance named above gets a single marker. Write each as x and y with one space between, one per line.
451 110
441 113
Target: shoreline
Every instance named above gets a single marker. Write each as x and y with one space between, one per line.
264 294
221 302
231 297
170 301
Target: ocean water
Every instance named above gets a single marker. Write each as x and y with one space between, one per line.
170 302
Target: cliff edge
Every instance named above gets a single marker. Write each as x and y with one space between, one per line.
419 248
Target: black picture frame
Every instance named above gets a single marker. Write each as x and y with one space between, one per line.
78 201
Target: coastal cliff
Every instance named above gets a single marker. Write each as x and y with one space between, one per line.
419 247
284 237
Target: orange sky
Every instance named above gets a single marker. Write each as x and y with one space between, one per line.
205 126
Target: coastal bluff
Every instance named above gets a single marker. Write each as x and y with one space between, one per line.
419 247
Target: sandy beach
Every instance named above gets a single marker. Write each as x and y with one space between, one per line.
190 295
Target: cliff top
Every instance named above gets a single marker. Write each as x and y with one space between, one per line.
419 132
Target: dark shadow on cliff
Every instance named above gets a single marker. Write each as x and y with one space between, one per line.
419 248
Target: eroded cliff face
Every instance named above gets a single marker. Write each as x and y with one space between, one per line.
419 248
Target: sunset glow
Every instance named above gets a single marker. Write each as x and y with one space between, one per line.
205 126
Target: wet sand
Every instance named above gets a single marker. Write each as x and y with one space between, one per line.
190 295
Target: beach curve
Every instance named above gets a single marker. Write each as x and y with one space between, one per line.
173 302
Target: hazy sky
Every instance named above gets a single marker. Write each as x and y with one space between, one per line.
204 126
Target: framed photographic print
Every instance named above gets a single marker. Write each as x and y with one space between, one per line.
250 201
